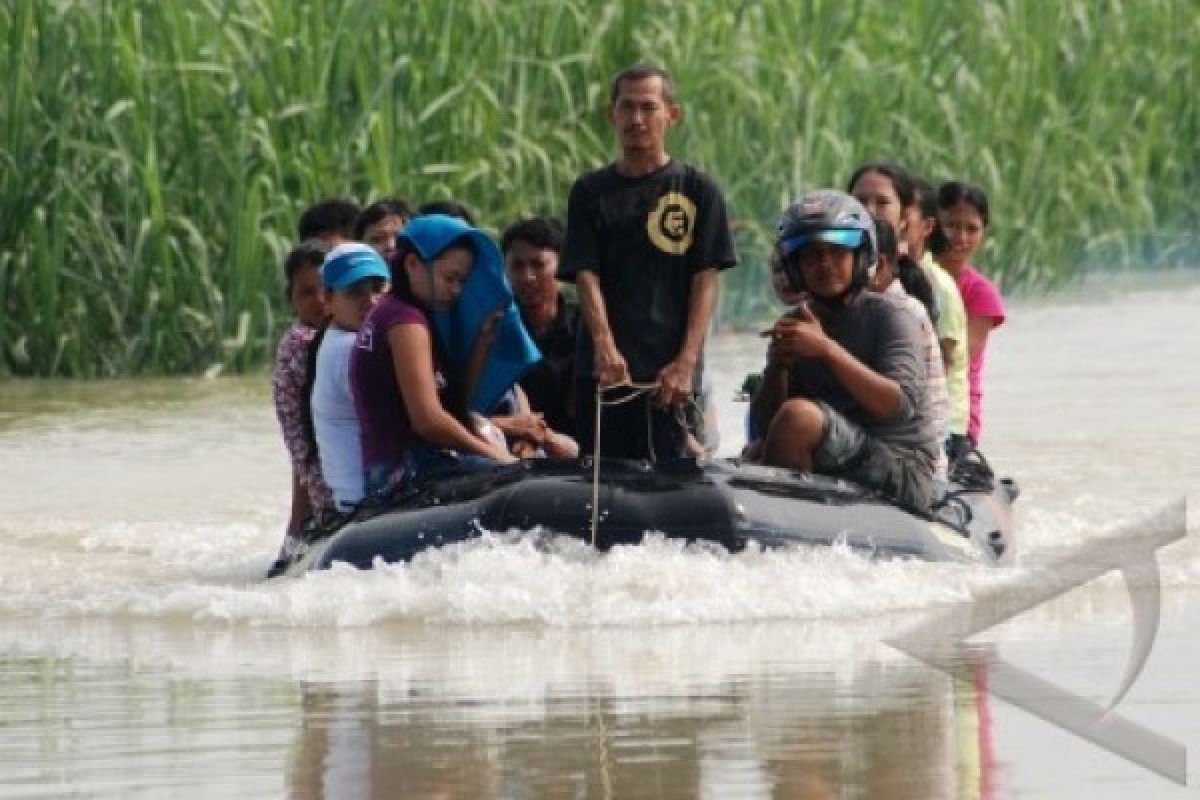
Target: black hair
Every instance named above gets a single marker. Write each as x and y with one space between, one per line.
380 209
542 232
309 253
951 193
885 239
640 72
925 197
908 272
902 182
326 217
451 208
454 396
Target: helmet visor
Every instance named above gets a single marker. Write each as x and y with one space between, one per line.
846 237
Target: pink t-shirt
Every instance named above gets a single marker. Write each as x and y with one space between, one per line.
980 299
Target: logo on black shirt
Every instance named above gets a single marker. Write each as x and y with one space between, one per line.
671 222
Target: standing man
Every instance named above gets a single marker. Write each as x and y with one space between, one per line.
646 237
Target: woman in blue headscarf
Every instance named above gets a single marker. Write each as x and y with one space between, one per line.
413 358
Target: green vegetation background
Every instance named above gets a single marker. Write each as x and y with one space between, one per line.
154 155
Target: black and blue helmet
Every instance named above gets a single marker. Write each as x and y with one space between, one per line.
828 215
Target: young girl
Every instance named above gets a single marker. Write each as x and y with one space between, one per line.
355 277
951 321
302 281
410 399
963 221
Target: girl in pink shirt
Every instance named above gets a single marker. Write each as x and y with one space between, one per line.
963 222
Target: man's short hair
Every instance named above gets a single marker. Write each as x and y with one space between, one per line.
541 232
451 208
381 209
328 216
640 72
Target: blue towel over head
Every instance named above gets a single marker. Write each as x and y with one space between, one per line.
486 289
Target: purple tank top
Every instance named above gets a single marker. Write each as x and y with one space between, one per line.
386 431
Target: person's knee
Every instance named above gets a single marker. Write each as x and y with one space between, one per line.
802 420
794 434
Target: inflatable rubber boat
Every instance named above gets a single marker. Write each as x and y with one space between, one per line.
725 502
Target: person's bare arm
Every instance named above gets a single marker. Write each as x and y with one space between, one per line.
412 361
675 379
611 367
481 349
978 329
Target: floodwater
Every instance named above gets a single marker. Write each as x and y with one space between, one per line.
142 656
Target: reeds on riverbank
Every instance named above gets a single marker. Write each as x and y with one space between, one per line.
154 155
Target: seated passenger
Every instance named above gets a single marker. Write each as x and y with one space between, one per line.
355 276
963 223
888 280
378 224
331 221
951 319
411 400
843 391
531 250
302 283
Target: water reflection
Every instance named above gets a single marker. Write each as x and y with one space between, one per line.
896 731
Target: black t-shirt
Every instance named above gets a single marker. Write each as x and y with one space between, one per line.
547 383
881 333
645 238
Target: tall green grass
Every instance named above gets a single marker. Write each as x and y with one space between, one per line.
154 154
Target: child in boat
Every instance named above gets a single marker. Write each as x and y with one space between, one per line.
951 319
306 296
963 221
411 399
355 276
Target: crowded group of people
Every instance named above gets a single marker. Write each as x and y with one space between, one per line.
421 345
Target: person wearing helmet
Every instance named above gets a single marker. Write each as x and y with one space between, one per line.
844 389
